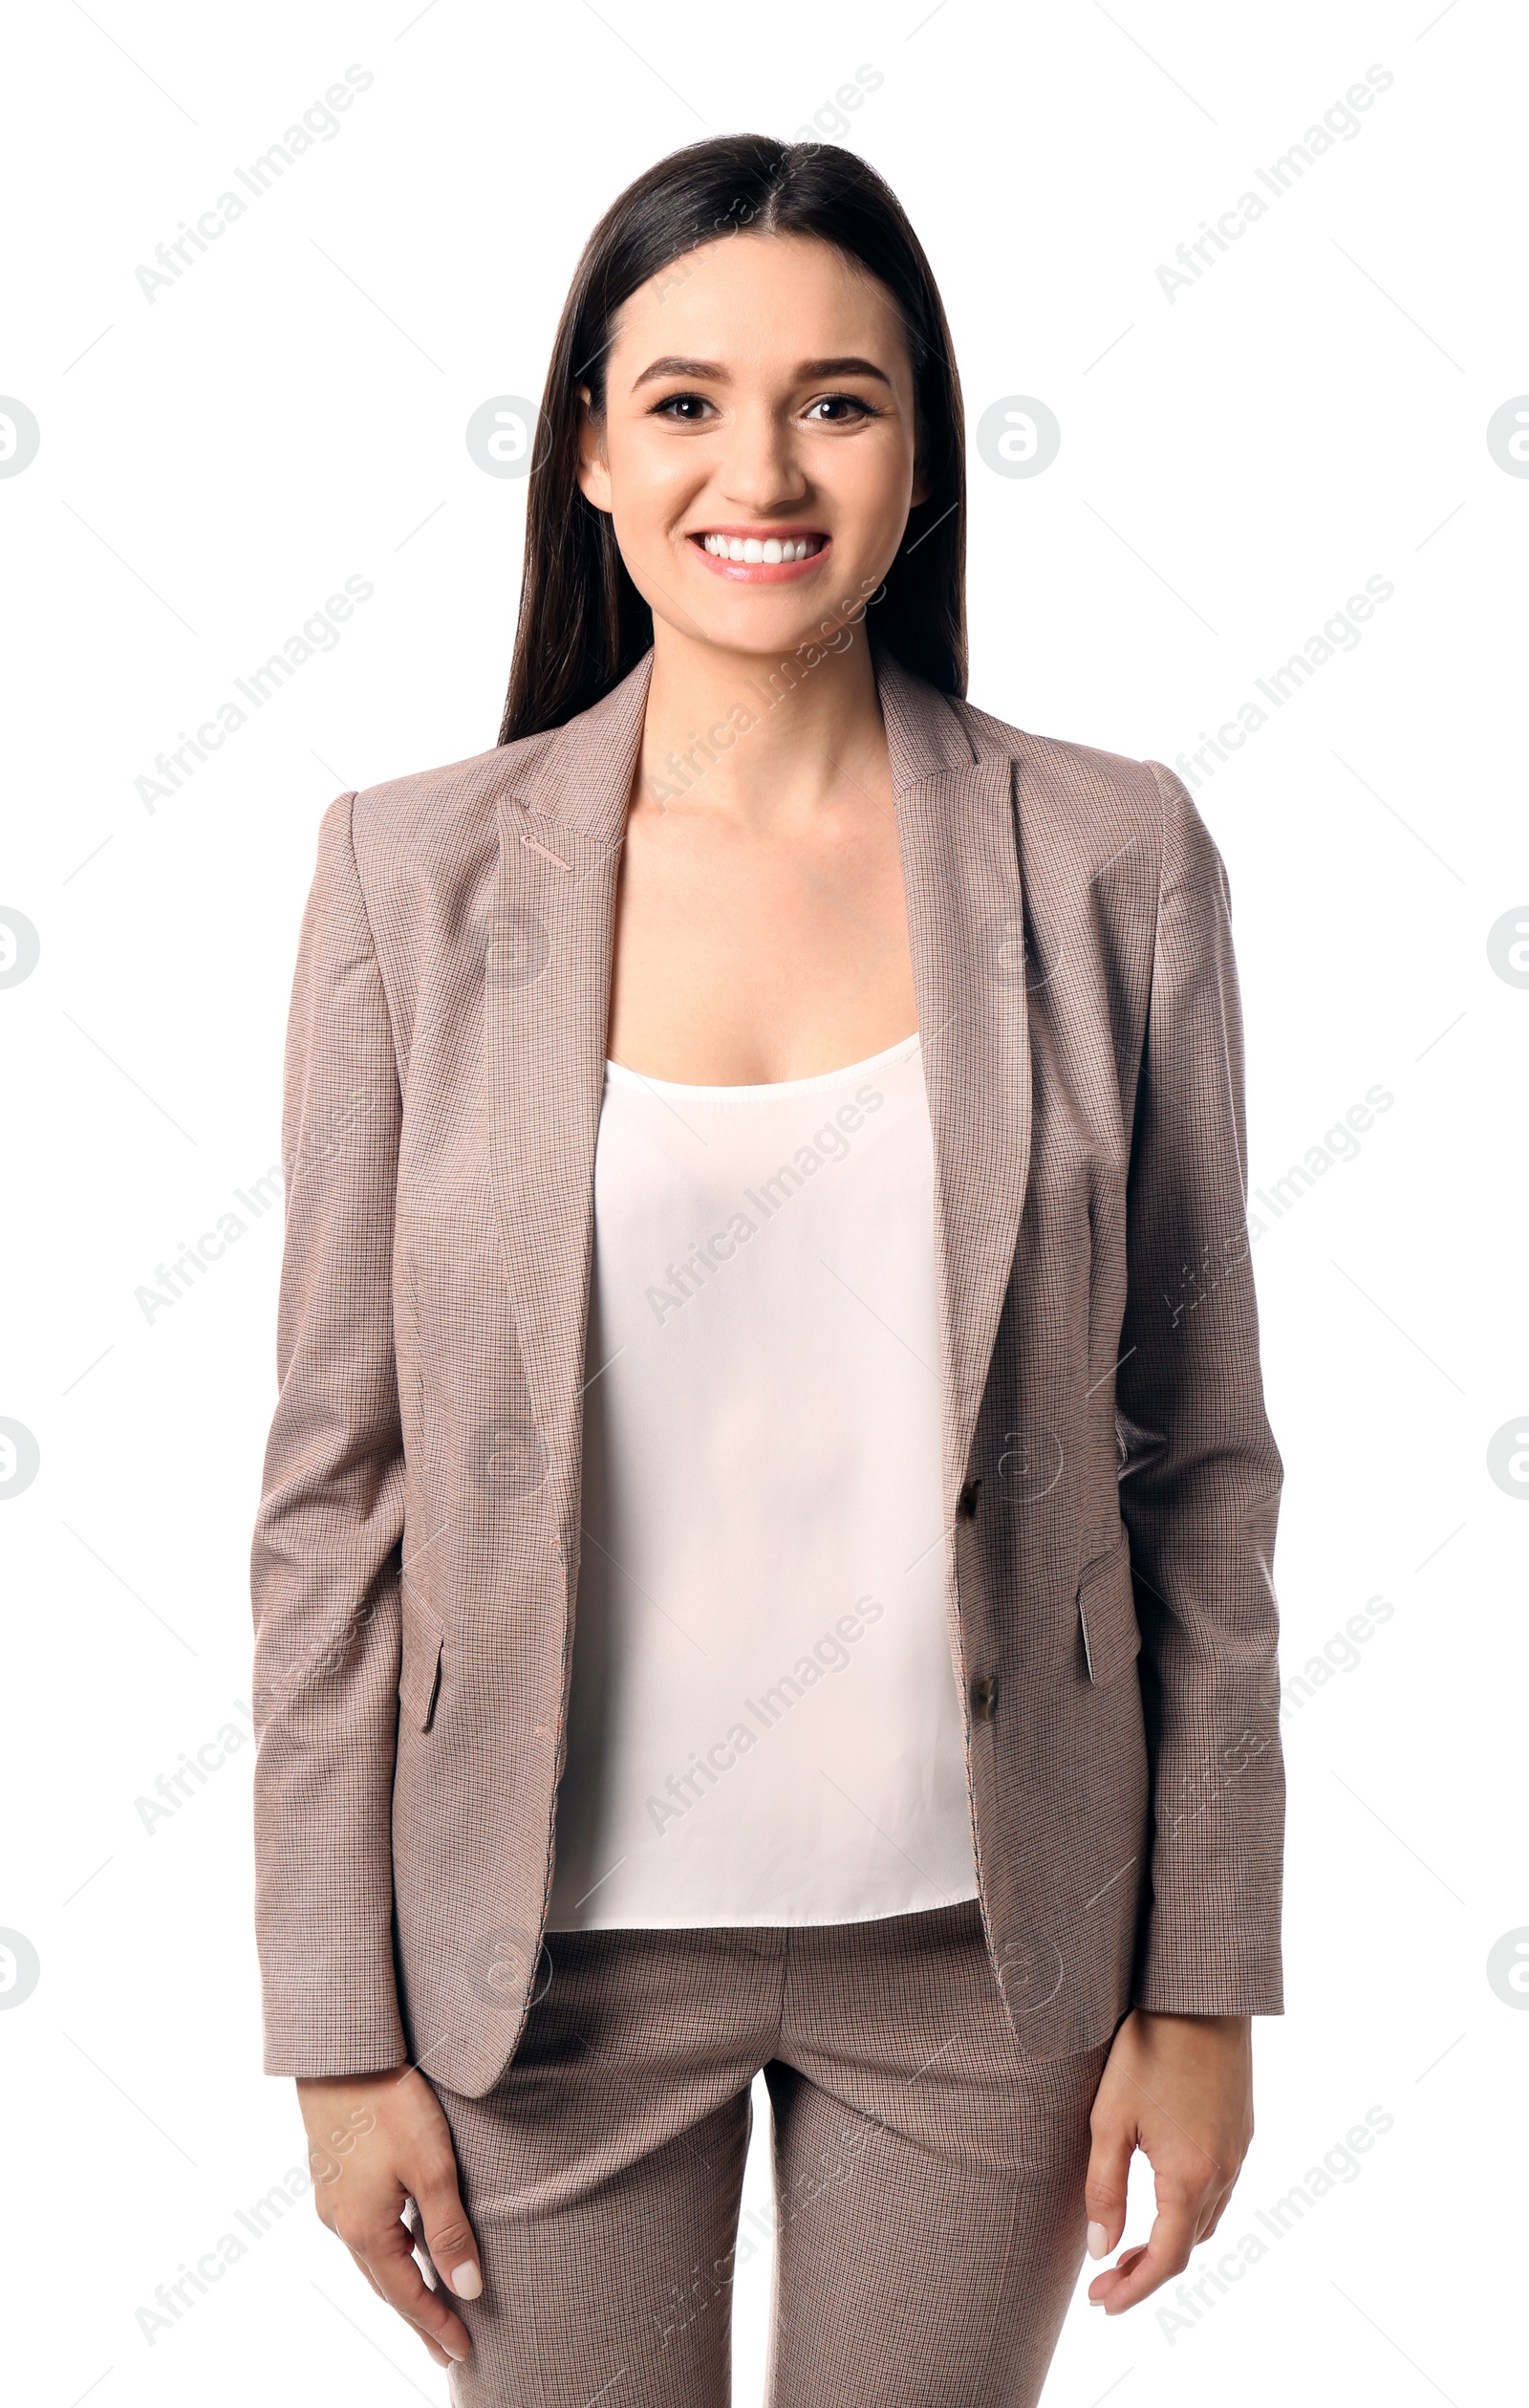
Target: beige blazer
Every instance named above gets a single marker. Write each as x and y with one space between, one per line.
1110 1481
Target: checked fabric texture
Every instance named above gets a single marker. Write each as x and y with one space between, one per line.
928 2223
1109 1480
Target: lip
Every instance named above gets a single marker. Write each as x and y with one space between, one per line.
762 571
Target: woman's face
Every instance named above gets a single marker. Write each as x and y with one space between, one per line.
759 393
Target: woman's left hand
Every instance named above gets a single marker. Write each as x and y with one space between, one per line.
1180 2089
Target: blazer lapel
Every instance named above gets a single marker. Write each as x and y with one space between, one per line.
561 822
547 1012
958 842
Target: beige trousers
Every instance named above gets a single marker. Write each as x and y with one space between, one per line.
929 2212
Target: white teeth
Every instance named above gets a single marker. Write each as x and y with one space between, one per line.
771 549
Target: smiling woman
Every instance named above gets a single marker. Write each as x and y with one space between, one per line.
583 1436
678 228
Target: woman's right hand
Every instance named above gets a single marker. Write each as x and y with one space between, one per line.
374 2140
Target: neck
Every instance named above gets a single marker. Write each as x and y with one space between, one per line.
760 736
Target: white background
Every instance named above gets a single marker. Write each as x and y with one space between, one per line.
1234 462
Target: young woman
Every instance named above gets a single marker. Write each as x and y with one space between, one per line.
765 1156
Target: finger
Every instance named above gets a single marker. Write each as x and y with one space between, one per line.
1166 2254
437 2353
447 2234
388 2250
1104 2189
1102 2289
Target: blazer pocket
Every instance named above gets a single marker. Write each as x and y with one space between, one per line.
1107 1613
419 1671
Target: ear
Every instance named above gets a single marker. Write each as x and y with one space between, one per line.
921 487
594 475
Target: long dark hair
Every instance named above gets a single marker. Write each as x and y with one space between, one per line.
581 623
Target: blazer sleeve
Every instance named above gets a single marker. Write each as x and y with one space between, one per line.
325 1560
1199 1471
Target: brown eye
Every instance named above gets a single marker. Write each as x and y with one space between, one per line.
851 401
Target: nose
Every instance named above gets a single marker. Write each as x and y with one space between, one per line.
762 471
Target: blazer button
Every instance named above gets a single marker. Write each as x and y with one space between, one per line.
966 1502
984 1698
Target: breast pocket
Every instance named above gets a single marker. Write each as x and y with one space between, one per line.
419 1671
1107 1613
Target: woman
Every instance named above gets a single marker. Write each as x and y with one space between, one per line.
765 1156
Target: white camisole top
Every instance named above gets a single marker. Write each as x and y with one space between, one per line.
765 1725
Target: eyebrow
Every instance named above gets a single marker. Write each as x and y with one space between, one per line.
713 372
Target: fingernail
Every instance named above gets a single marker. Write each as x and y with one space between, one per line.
452 2351
466 2281
1098 2242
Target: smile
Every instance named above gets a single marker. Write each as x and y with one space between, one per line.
761 558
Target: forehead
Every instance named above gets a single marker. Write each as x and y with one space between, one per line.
748 298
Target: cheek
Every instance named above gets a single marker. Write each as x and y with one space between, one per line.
871 476
869 497
650 481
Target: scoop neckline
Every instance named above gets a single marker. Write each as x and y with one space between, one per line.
620 1076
